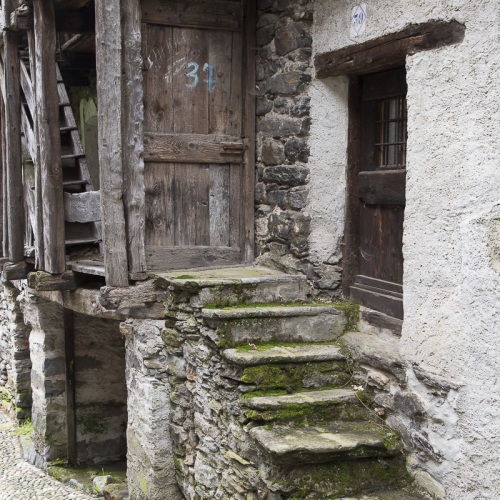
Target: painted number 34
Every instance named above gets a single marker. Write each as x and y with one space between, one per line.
209 69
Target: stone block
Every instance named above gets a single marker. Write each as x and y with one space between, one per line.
292 175
292 36
297 150
291 83
272 152
279 126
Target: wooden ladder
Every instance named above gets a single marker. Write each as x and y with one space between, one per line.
81 200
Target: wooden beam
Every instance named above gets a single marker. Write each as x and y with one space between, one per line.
45 282
38 225
133 134
15 271
49 139
219 14
248 214
109 90
389 50
67 21
350 252
5 224
385 187
15 202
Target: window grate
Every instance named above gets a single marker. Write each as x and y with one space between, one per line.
391 133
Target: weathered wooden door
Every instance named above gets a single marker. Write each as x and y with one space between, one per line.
199 128
380 186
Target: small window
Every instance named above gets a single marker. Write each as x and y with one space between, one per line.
391 128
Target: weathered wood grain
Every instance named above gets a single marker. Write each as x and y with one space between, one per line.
133 134
389 50
160 258
249 132
46 282
109 86
219 204
192 148
383 187
49 138
82 207
16 271
5 222
15 202
217 14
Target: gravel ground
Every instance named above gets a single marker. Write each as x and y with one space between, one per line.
21 481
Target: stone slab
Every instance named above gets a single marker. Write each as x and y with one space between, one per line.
321 444
285 354
377 352
327 397
277 311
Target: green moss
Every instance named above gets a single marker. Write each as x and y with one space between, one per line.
25 429
185 277
351 311
344 478
291 377
310 413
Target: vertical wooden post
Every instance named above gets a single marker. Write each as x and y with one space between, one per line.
69 350
109 97
249 131
15 198
49 138
132 133
5 226
38 229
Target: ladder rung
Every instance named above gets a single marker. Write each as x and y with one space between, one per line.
82 241
63 104
75 183
73 156
68 129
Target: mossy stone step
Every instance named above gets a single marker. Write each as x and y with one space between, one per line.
305 353
288 446
306 407
281 323
388 495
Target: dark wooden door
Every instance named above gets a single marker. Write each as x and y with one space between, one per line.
198 110
378 282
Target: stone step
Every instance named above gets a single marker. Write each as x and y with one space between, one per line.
237 285
282 323
401 494
307 407
305 353
341 441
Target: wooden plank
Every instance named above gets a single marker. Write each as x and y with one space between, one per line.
67 21
82 207
2 169
5 223
49 138
387 304
133 135
88 267
216 14
160 209
69 351
377 283
15 202
28 88
161 258
388 50
158 78
191 95
249 133
350 254
29 136
192 148
219 205
109 88
385 187
201 214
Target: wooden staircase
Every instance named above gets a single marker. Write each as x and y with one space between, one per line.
81 200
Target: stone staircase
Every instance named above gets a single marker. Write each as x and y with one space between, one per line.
283 377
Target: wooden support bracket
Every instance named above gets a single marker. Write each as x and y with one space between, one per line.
15 271
45 282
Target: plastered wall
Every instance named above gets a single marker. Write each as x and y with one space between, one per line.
451 231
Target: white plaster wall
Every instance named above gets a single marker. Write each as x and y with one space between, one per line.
452 219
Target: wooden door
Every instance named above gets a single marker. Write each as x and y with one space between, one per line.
199 132
380 185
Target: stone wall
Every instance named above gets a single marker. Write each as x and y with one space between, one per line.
15 363
284 69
